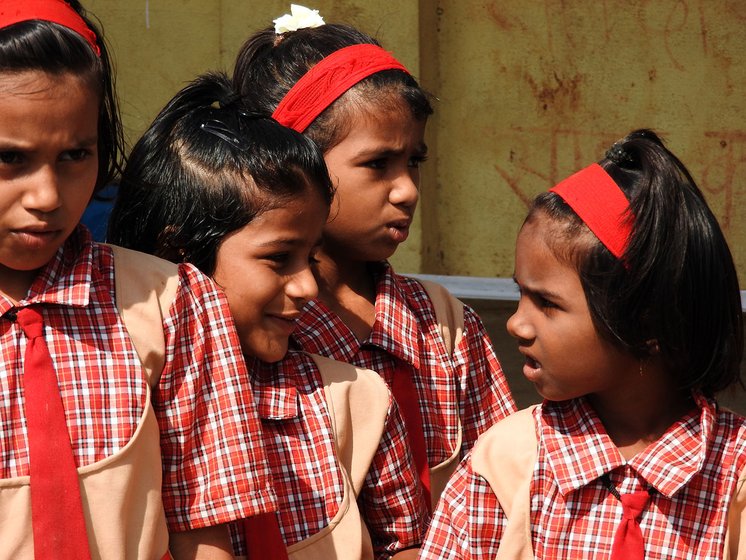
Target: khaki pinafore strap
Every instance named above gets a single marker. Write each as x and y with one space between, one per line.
145 289
505 456
358 404
449 312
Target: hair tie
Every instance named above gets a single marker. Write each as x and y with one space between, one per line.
329 79
55 11
618 155
597 200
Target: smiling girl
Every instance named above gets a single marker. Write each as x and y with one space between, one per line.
246 200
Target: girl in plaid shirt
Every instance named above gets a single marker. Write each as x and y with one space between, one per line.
157 462
245 199
630 322
368 114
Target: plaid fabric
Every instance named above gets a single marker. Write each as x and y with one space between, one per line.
469 387
300 448
693 468
214 469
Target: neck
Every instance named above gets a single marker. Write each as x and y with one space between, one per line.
641 413
348 289
15 284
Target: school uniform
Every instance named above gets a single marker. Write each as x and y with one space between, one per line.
305 456
460 395
199 416
693 473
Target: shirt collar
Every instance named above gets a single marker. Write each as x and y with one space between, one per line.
395 329
274 388
579 450
66 278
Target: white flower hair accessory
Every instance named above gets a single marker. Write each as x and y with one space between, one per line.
299 17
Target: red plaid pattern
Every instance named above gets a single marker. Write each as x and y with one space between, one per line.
214 469
300 448
470 386
693 468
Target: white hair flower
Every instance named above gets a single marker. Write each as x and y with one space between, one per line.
299 17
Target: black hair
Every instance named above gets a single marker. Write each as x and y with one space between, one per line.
268 65
54 49
205 168
675 288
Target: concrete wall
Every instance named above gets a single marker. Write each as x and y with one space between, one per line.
527 93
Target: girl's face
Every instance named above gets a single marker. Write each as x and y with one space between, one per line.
375 169
48 167
264 269
565 356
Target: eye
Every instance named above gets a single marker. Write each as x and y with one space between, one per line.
75 155
11 158
279 258
379 163
544 303
416 161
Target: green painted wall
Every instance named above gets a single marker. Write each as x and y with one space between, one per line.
528 92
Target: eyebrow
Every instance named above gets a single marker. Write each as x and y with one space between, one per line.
546 294
421 150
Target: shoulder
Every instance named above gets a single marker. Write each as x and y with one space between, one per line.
509 446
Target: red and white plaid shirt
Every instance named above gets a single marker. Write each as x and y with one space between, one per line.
301 451
470 386
693 469
214 468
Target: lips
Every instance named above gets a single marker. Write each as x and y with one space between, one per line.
531 367
399 229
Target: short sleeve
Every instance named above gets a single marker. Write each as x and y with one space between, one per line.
468 522
214 466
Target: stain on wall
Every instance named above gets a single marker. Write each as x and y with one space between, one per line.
527 93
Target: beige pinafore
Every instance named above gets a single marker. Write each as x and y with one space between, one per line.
121 494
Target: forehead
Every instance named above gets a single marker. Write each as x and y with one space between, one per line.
542 253
52 103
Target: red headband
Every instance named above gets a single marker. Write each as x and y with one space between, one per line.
55 11
329 79
601 204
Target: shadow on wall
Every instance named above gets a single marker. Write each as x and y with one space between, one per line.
494 314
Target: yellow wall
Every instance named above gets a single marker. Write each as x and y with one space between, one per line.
527 93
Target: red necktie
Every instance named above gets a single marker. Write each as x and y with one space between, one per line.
56 508
628 543
263 538
406 397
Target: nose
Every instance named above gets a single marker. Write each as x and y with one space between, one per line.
43 193
519 326
302 285
405 190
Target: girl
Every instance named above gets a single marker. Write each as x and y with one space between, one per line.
368 115
245 199
96 461
630 322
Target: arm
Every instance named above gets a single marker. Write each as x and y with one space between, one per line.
486 397
391 501
210 543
